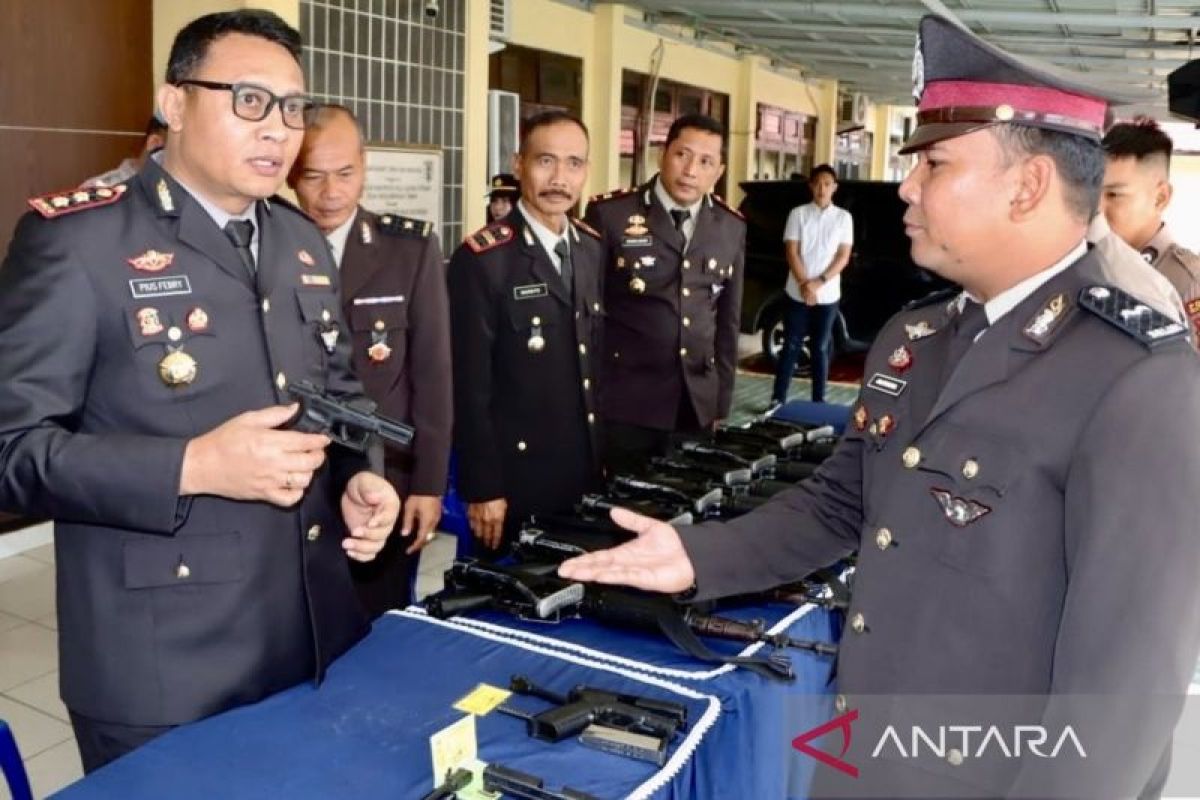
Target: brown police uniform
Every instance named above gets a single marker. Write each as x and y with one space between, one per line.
394 300
524 344
671 329
1181 267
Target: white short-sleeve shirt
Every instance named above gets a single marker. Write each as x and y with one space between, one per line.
819 232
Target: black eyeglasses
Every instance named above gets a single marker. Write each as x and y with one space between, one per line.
253 103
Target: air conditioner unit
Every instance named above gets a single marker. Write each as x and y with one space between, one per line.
852 109
499 20
504 129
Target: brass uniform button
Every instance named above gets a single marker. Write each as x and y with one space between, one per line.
174 334
911 457
314 533
954 756
839 703
687 292
583 349
521 446
183 571
596 307
970 469
858 623
587 384
281 381
686 322
683 351
266 305
591 419
535 321
883 538
379 325
687 264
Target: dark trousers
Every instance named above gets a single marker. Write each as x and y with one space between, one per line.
629 447
102 742
802 320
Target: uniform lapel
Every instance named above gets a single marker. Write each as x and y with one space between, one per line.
541 266
361 258
706 220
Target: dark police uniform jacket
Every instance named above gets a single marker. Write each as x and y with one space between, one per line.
1029 529
170 608
672 317
394 299
524 377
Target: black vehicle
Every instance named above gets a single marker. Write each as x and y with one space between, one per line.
880 279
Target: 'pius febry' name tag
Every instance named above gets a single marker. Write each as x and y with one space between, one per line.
887 384
160 287
530 291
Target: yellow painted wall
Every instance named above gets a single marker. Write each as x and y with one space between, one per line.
609 44
171 15
475 88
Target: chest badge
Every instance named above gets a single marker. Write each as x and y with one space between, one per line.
636 226
637 285
177 368
1047 319
960 511
151 261
306 258
860 418
197 320
900 359
919 330
148 322
379 352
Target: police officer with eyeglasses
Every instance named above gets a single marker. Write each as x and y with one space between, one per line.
147 333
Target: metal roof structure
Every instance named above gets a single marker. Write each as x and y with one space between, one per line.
867 45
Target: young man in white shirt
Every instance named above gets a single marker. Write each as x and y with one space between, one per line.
817 237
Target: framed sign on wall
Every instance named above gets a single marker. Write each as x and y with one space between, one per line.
405 180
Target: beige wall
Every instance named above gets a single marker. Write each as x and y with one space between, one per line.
171 15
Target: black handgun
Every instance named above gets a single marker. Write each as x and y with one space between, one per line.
584 707
523 786
698 497
669 512
350 423
448 790
554 538
471 585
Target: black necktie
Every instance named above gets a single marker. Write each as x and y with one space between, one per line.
964 329
680 216
241 232
566 268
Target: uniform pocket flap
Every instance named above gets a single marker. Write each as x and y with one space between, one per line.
179 561
317 306
967 457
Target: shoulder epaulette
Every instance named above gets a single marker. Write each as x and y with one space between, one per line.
615 193
721 202
940 295
56 204
1187 259
588 229
1130 315
492 236
405 226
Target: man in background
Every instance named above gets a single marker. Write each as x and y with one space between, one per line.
673 254
817 241
394 299
1137 190
526 313
154 138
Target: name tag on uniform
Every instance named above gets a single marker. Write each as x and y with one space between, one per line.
637 241
887 384
529 292
379 301
160 287
315 280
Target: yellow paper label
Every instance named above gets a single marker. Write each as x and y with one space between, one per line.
482 699
452 747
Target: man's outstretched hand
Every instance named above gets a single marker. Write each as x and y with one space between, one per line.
655 561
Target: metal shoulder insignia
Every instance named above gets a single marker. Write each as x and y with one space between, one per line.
490 237
405 226
1130 315
588 229
939 296
721 202
615 193
56 204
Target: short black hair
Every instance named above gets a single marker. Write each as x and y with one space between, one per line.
193 40
1141 139
822 169
155 126
544 119
700 122
1079 160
